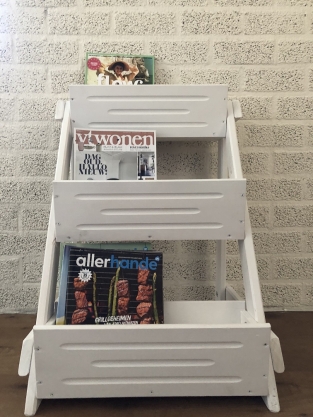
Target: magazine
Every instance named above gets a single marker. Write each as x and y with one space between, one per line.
64 264
110 69
114 155
110 287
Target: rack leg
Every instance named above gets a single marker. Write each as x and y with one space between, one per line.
271 400
32 402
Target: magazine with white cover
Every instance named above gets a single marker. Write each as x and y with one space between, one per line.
114 155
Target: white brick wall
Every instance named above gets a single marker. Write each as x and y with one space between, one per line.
262 49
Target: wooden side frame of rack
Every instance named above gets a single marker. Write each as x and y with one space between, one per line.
206 348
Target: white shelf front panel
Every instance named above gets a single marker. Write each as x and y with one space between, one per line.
194 111
139 210
152 360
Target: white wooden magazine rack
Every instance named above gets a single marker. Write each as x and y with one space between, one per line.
206 348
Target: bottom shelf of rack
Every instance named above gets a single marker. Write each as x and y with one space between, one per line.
214 353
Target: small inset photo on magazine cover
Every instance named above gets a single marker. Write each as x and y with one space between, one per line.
109 69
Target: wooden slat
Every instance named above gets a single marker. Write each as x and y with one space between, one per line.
138 210
49 274
161 360
194 111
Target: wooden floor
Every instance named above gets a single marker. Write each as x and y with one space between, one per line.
295 386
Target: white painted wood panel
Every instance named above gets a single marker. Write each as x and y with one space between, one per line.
135 210
194 111
203 312
153 360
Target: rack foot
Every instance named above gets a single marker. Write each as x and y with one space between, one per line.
271 400
32 402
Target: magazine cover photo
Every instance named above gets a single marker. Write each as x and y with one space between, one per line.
108 69
114 155
113 287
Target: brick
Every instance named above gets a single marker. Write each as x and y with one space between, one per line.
281 295
273 135
283 189
6 109
200 247
256 107
210 76
220 23
145 23
297 108
9 272
7 165
37 164
35 191
255 162
197 292
233 269
28 191
32 269
282 242
170 293
8 217
243 2
293 162
301 3
13 80
15 244
180 52
232 247
264 268
275 189
311 79
165 246
309 189
20 136
308 295
259 190
288 216
274 23
9 190
36 109
35 218
35 51
293 269
194 3
259 216
127 47
183 166
5 49
243 53
22 21
310 131
274 80
46 3
95 22
62 79
165 76
309 242
55 135
295 52
19 299
64 22
93 3
189 269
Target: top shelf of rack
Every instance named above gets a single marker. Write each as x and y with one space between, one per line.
174 111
